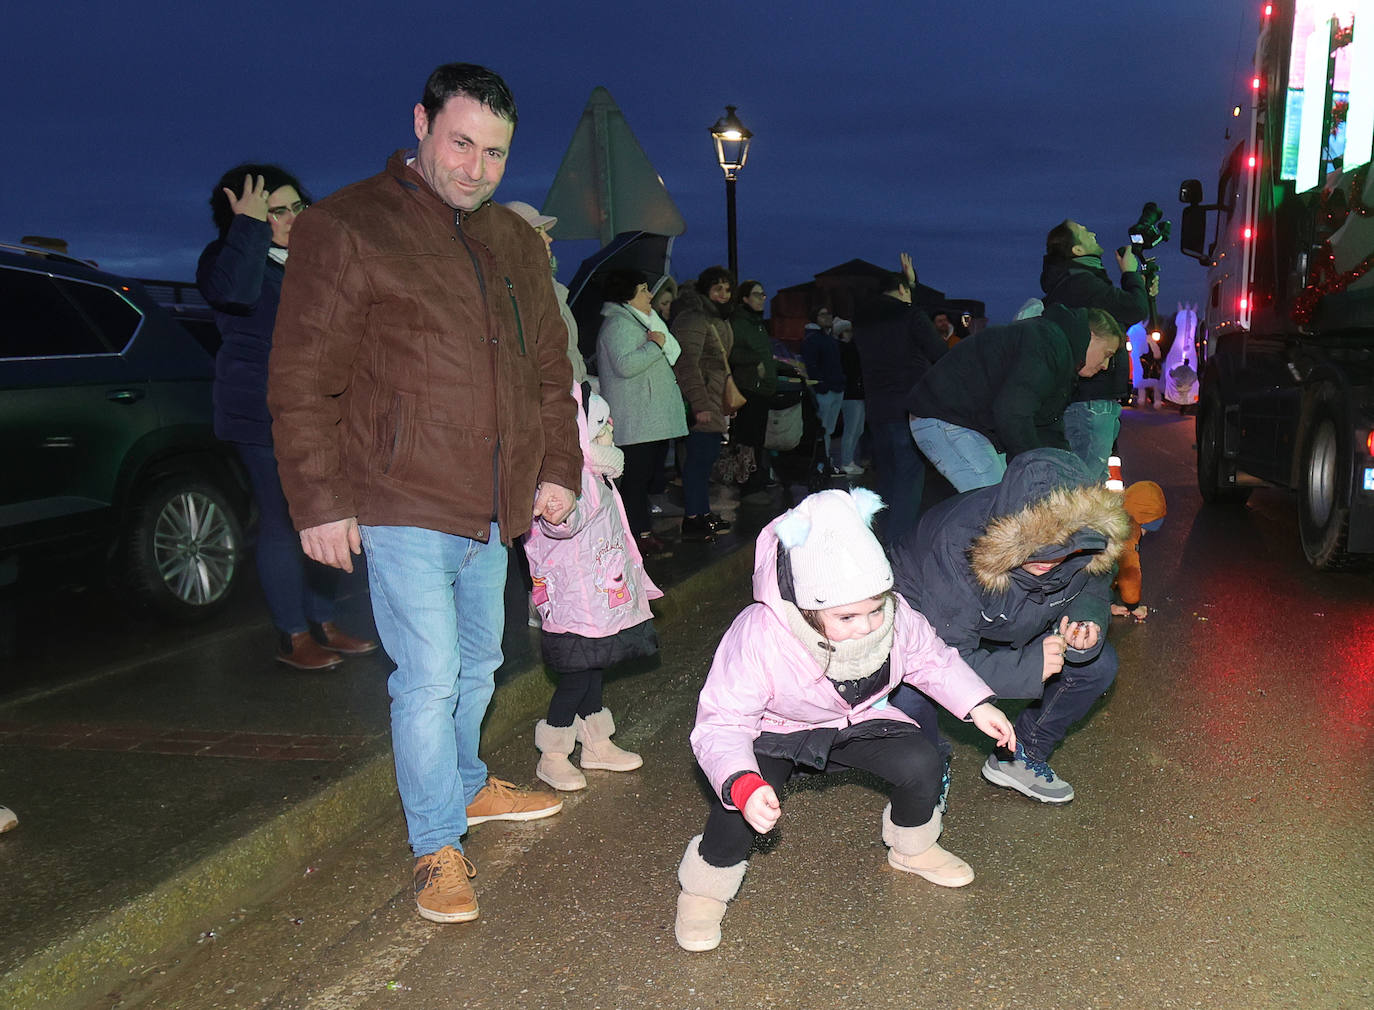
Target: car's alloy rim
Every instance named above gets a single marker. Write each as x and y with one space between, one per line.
194 548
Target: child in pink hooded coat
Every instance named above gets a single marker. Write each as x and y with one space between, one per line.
592 594
801 681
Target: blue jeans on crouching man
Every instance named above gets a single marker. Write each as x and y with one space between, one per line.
439 604
966 458
1091 426
1044 722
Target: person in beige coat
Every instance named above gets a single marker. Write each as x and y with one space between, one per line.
701 327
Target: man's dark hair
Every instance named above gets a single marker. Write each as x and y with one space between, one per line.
1059 242
891 280
816 316
712 276
274 177
1103 325
473 81
620 285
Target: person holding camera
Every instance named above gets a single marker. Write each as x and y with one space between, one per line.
1073 276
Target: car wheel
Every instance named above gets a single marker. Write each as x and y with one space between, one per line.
185 549
1211 463
1324 486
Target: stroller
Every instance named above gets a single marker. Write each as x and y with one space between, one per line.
795 432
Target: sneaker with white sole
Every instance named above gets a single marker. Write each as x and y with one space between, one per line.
1027 776
500 800
853 469
443 886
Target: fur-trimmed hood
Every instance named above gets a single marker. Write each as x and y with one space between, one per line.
1064 509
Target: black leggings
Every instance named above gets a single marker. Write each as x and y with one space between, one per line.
905 759
576 694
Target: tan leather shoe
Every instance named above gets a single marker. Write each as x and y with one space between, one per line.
302 652
443 892
332 638
500 800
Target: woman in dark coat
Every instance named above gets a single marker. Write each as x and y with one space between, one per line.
240 275
756 374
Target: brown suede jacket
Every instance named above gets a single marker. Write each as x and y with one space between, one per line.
419 372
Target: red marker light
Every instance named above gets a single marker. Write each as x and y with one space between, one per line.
1248 233
1369 443
1253 161
1268 10
1244 304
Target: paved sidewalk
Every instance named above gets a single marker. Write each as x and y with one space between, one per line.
157 791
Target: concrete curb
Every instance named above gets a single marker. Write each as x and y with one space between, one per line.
249 867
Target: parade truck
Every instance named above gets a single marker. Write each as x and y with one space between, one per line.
1287 340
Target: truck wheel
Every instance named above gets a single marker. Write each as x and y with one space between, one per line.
185 549
1211 463
1324 485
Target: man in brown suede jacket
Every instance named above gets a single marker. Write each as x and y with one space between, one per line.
420 395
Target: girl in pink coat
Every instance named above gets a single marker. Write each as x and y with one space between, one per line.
592 594
801 682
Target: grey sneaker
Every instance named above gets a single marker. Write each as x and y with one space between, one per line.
1032 778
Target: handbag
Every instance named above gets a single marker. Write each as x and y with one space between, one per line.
731 399
784 428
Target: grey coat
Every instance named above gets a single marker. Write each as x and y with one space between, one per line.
636 380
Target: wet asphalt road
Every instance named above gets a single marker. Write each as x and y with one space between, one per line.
1218 854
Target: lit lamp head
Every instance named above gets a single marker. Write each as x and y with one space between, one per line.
732 142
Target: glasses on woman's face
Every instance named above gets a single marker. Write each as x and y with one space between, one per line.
756 293
293 209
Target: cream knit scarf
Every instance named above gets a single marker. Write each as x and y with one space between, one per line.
844 661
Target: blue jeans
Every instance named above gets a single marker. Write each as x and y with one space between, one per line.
853 411
828 406
1044 723
439 604
1091 427
901 478
702 449
965 457
298 591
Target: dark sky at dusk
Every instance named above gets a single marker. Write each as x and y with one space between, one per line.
959 131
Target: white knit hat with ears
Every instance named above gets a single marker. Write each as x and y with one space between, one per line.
834 556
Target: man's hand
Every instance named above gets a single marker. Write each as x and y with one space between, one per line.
991 720
1127 261
1052 646
552 502
253 201
762 809
333 544
909 272
1080 635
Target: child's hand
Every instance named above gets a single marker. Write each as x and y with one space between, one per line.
990 719
1080 635
763 809
1052 646
1118 610
1141 612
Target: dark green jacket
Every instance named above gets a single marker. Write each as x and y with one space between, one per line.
1010 383
751 357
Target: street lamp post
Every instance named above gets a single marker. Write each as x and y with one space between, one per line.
732 149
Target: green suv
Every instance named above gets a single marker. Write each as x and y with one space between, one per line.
106 440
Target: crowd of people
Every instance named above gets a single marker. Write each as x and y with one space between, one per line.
409 386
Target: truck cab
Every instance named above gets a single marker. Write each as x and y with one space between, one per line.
1287 395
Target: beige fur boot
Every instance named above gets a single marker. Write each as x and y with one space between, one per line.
555 745
594 733
705 891
914 851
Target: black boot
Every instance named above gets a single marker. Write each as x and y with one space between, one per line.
698 529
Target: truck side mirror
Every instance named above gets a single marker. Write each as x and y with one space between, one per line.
1192 237
1190 191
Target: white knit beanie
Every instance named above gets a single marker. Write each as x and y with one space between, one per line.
834 556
